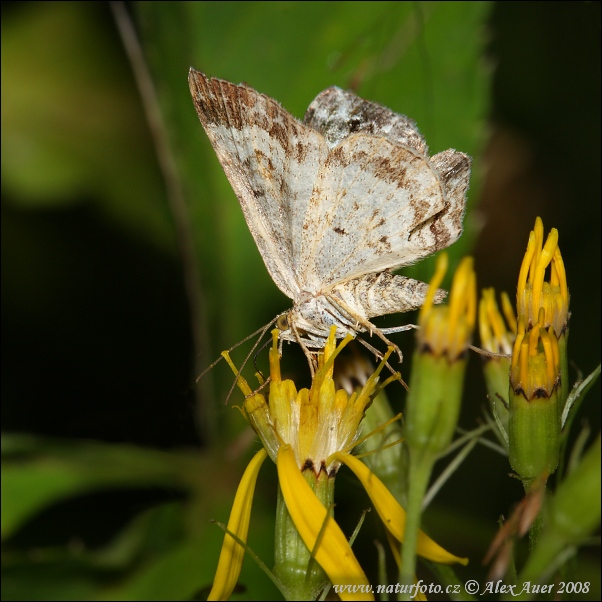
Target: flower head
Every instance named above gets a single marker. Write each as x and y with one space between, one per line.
309 433
533 292
446 329
497 335
317 422
535 369
534 422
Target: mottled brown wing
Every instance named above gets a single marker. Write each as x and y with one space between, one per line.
378 206
271 161
379 202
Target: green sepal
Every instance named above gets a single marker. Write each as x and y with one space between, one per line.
433 404
301 575
497 375
534 434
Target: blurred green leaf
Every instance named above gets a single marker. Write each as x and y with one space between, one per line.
38 472
167 552
152 558
86 136
72 126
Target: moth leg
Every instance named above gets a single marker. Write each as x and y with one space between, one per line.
380 356
366 324
399 328
310 359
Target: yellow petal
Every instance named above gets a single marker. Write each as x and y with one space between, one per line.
232 554
333 552
392 514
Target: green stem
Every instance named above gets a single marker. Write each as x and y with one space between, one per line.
420 472
536 526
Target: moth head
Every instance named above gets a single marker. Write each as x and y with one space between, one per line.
283 322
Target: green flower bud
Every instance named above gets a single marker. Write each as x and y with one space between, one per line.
497 338
439 363
539 367
534 425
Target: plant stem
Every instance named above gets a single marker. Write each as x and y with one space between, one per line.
420 471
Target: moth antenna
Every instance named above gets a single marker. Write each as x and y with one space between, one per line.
217 361
220 358
263 330
262 386
310 359
257 353
486 353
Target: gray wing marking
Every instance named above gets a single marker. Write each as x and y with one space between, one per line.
370 198
337 114
417 222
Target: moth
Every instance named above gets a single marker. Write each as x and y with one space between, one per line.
335 202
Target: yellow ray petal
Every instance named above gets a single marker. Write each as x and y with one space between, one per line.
232 554
333 552
392 514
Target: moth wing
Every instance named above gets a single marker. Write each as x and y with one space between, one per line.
271 161
337 114
379 202
378 206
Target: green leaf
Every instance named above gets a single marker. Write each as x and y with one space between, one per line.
37 473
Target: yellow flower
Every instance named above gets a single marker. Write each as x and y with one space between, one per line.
533 292
534 421
231 556
309 434
497 335
535 369
445 330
